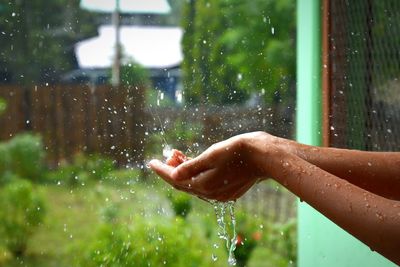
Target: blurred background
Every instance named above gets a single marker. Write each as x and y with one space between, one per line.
91 90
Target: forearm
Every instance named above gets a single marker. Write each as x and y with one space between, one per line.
377 172
372 219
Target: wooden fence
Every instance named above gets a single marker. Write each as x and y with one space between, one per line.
73 119
116 122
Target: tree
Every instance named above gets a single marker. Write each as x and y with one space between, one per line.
233 48
38 38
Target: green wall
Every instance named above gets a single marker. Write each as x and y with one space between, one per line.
320 242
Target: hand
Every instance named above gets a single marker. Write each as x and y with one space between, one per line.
223 172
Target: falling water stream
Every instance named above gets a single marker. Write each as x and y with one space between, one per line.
221 209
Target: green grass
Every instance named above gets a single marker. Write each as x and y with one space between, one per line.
73 215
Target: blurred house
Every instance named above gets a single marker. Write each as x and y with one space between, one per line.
156 48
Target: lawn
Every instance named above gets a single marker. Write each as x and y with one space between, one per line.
74 215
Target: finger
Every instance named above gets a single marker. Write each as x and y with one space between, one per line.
160 168
206 160
176 158
191 168
164 171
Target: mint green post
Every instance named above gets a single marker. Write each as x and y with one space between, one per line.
320 242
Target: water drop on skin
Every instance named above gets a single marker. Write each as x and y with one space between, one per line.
285 164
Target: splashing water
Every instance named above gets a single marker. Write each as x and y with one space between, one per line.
221 209
167 151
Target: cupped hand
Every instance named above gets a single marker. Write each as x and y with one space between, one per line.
225 171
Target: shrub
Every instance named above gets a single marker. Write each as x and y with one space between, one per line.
181 203
249 236
82 169
71 175
148 242
95 165
110 212
3 105
22 210
283 240
4 164
25 156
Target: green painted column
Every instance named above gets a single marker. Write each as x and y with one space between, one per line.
320 242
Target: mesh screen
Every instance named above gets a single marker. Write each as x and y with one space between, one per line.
364 61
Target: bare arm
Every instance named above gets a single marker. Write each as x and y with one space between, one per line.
373 219
377 172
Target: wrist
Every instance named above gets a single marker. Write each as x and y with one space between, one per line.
265 151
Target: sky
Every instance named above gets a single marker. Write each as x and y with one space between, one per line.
128 6
150 46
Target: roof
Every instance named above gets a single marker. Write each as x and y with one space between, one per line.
149 46
128 6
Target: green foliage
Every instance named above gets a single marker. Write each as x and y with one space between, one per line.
38 36
153 99
181 203
283 240
3 105
235 47
249 236
23 156
110 213
4 163
123 176
82 169
22 210
133 74
146 242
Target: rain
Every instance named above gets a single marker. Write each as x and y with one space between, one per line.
91 92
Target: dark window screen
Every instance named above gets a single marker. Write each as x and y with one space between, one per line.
364 54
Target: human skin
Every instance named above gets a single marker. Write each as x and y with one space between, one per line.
357 190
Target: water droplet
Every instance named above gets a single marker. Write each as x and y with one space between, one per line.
285 164
272 30
214 257
379 216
